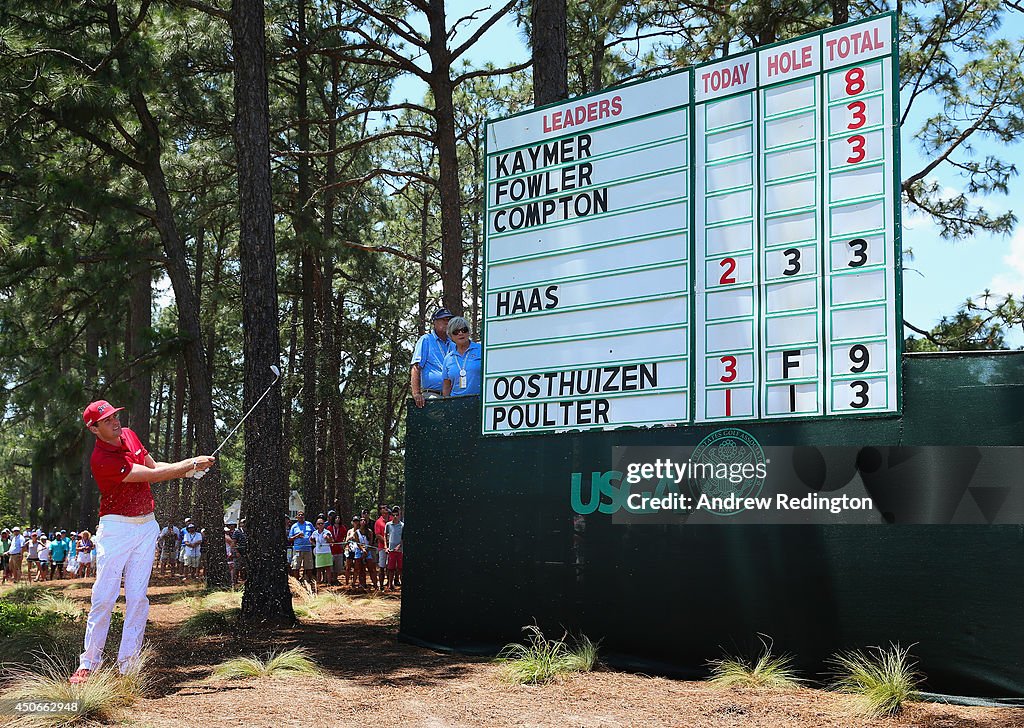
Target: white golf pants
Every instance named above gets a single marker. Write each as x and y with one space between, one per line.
121 549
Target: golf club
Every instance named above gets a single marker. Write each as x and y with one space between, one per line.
277 375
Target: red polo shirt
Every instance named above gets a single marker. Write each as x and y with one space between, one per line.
110 464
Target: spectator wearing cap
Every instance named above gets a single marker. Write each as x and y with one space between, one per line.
43 557
463 363
338 531
380 541
32 555
395 547
357 544
58 555
16 552
192 541
169 544
303 564
427 376
86 549
181 549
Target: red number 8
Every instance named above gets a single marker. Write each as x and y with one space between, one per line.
854 81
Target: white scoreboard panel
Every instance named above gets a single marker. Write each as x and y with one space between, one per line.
615 296
587 279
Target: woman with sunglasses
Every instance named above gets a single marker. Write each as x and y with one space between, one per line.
462 365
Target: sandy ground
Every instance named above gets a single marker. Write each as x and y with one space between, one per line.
372 678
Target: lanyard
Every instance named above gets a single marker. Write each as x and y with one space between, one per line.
435 343
462 362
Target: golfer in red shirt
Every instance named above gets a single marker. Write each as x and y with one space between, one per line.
126 537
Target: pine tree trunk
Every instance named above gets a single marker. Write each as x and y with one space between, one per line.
87 506
840 11
266 597
450 189
421 320
550 51
210 491
140 321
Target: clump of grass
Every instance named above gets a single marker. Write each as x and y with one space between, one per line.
55 642
883 680
221 600
541 660
227 599
300 589
313 604
47 629
59 604
764 671
100 699
209 621
290 662
26 593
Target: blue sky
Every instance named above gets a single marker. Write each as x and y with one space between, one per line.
942 273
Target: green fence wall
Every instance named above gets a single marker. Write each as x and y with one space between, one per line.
489 541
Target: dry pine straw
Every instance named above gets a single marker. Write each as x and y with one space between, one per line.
372 677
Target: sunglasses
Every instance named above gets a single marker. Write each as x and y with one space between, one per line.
460 331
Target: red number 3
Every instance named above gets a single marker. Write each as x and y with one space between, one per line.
856 143
859 117
730 368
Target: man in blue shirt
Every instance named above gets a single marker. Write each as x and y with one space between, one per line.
302 547
427 375
58 555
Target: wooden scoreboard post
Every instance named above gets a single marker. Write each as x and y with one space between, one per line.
627 286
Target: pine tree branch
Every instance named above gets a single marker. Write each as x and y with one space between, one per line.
482 29
356 144
372 174
492 72
204 8
393 251
408 33
951 148
98 142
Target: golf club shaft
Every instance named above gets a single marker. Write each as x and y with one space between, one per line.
247 414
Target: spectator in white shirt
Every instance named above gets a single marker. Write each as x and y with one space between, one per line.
192 541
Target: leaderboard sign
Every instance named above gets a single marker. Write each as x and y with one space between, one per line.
716 245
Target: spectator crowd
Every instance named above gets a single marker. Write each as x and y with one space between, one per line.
366 554
37 555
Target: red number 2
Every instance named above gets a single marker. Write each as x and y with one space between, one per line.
727 275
